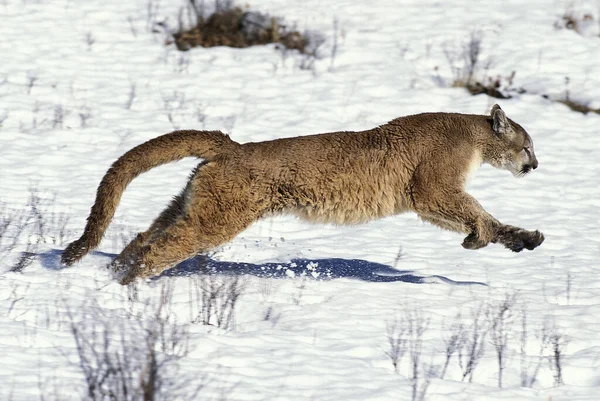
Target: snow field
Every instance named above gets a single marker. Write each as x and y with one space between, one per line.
82 83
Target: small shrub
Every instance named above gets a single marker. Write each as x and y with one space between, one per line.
497 87
472 348
216 298
530 368
558 342
405 336
421 373
453 342
580 107
136 357
581 21
31 227
573 104
470 71
234 27
396 336
500 319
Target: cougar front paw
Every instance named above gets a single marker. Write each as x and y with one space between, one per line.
124 273
125 270
129 277
515 244
533 239
472 241
517 240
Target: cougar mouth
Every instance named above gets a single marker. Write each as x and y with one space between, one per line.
524 170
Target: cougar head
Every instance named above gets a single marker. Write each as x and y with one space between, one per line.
512 147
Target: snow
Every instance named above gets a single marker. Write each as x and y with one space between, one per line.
83 82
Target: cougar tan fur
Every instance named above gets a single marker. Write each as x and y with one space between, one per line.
417 163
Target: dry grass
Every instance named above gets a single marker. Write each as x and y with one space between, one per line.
578 106
575 20
235 27
575 105
492 87
470 71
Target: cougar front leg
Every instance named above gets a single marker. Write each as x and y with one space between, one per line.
458 211
131 255
444 224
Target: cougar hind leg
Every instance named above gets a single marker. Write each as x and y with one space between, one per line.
213 210
184 239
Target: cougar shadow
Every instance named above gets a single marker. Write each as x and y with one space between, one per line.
317 269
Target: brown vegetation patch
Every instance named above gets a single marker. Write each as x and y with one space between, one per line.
498 87
492 90
575 21
578 107
235 27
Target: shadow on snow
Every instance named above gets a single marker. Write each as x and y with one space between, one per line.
318 269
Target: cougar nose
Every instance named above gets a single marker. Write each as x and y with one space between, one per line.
534 164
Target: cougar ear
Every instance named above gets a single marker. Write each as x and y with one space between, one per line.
500 125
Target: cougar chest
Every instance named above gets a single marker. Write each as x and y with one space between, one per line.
473 165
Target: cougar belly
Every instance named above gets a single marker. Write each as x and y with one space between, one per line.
346 207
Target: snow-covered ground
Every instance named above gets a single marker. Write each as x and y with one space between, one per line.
82 82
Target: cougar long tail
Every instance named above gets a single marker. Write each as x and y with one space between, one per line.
161 150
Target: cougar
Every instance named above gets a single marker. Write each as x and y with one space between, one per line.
417 163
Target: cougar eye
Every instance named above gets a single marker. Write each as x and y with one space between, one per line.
527 151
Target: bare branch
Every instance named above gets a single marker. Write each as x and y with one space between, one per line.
500 318
473 348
